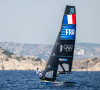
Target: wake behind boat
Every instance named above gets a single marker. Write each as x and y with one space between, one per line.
57 83
60 60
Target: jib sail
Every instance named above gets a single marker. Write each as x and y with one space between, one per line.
60 61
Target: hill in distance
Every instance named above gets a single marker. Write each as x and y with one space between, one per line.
82 50
10 61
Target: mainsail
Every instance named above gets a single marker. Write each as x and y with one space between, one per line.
60 61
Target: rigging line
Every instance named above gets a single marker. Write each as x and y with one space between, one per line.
60 56
62 67
51 67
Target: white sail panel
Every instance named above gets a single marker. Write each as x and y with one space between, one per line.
49 74
59 69
65 66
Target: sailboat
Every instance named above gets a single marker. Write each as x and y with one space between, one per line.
60 60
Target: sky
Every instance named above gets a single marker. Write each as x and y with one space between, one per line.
39 21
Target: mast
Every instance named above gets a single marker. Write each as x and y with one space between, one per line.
60 61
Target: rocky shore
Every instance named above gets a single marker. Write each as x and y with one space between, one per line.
33 62
10 61
91 64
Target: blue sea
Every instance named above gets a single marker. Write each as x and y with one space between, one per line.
28 80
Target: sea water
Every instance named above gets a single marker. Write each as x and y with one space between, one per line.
28 80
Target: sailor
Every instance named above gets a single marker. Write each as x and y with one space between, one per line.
38 71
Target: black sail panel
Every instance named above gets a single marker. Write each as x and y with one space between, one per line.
52 65
67 40
61 58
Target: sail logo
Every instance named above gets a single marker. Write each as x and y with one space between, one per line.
71 10
66 47
69 19
70 32
62 59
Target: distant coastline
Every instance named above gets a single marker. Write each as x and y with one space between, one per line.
33 63
82 50
10 61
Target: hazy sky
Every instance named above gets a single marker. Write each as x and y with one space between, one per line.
39 21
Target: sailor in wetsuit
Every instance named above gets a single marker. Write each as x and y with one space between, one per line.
38 71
